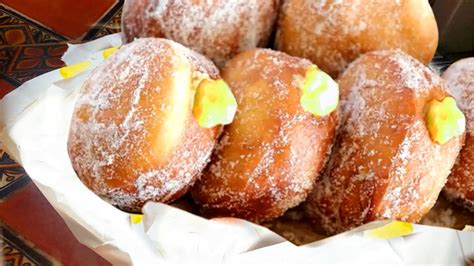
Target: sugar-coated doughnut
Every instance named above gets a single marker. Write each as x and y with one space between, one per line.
133 136
399 136
333 33
218 29
459 78
266 161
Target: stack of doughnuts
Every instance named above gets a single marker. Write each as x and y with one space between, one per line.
193 102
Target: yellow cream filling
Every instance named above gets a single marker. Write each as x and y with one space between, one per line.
444 120
214 103
320 93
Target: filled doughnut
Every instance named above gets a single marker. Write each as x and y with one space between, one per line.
334 33
399 136
142 128
266 161
217 29
459 78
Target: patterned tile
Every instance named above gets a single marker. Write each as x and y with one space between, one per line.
69 18
16 29
108 25
28 49
22 63
16 252
12 175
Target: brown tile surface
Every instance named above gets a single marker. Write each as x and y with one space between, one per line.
5 87
18 251
30 214
33 36
68 18
16 29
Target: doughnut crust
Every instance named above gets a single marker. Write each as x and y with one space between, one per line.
384 164
459 79
218 29
333 33
266 160
133 137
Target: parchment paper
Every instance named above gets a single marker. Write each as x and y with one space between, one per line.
34 121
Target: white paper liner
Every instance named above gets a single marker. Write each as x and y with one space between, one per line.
34 122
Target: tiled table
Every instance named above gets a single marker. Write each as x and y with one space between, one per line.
33 36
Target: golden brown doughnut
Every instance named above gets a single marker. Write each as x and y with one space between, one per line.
133 137
384 163
218 29
333 33
267 160
459 79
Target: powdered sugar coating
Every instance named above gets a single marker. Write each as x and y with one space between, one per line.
133 137
459 79
219 29
333 33
384 164
267 160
